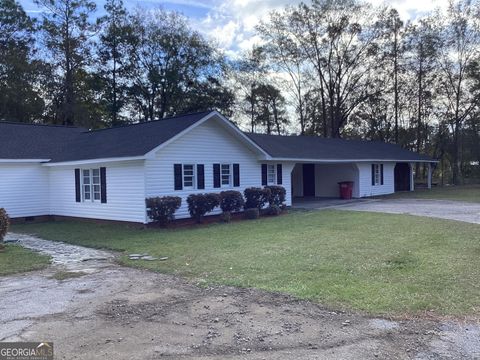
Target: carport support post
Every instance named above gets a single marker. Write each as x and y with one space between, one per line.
412 178
429 176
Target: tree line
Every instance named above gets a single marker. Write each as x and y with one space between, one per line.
334 68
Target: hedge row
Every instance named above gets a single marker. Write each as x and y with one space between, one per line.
162 209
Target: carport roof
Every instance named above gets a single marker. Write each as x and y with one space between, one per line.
314 148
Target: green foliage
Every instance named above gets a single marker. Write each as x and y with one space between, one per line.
277 195
256 197
162 209
231 201
201 204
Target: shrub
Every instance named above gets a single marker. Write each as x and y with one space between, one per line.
252 213
274 210
200 204
256 197
276 196
226 216
231 201
4 225
162 209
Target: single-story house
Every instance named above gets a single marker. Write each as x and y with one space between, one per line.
108 173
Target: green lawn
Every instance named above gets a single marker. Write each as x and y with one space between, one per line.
377 263
17 259
469 193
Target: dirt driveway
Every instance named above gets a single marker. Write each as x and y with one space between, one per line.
113 312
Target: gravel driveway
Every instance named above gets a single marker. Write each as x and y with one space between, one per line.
443 209
113 312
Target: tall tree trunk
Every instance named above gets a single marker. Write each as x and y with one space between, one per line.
395 80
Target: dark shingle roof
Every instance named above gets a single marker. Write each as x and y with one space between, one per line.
58 143
27 141
314 147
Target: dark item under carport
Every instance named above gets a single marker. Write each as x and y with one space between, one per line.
346 189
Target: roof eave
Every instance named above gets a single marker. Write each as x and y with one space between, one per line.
95 161
318 160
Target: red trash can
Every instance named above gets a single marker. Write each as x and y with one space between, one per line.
346 189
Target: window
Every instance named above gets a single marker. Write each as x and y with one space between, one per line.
189 176
271 174
91 185
377 174
226 175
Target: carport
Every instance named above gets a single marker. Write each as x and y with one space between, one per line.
321 179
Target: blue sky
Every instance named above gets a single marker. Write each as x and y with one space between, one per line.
231 22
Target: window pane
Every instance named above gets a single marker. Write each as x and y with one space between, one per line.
96 196
86 172
188 175
96 172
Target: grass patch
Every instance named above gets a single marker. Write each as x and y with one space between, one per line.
16 259
64 275
468 193
377 263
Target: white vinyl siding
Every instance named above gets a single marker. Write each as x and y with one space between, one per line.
208 144
125 193
24 189
366 188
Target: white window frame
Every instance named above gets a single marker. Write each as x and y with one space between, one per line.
271 173
94 184
193 176
230 176
377 174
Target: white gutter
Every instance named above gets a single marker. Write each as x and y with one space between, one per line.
10 161
350 160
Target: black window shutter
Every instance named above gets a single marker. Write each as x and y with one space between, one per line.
381 174
78 197
264 174
103 185
200 176
216 175
373 174
177 171
279 174
236 174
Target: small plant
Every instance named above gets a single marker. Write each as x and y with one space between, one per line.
162 209
4 225
251 213
226 216
276 196
256 197
231 201
274 210
201 204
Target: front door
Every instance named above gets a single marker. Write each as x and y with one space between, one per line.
308 179
402 177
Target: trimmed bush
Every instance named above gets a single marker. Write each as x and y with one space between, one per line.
256 197
251 213
274 210
226 216
231 201
4 225
162 209
276 196
200 204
